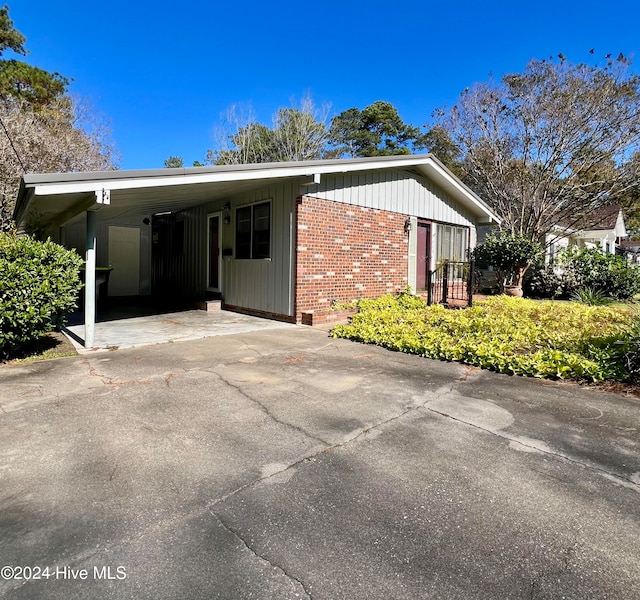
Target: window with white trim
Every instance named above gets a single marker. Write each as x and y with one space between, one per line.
452 243
253 231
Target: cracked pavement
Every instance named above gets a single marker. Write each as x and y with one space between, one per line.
283 464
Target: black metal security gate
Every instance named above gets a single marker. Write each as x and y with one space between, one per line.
451 283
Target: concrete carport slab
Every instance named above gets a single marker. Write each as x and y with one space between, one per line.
168 327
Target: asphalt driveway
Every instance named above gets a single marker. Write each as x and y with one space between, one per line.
283 464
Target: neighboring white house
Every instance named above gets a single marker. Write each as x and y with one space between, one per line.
630 250
603 229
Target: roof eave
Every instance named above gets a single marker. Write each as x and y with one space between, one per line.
62 183
67 183
23 200
461 192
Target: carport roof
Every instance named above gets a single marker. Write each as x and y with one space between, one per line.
58 198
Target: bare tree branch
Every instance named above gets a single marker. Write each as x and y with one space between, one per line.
64 135
550 142
297 133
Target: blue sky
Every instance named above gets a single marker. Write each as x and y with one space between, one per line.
164 72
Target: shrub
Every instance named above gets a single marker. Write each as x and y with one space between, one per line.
508 335
510 255
543 281
39 284
631 348
583 272
608 274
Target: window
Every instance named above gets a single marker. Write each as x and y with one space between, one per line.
552 253
253 231
452 243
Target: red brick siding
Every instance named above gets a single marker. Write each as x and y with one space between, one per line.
346 252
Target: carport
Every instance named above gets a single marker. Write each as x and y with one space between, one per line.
56 203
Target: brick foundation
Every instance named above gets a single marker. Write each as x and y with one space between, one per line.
331 316
344 253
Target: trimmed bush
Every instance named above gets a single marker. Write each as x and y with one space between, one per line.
543 281
510 255
546 339
39 284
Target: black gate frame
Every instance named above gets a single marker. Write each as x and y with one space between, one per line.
450 286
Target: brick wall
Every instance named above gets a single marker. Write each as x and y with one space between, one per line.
344 253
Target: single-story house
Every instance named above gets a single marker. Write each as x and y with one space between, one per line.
282 240
603 228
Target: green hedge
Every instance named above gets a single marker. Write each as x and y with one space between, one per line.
510 335
585 269
39 284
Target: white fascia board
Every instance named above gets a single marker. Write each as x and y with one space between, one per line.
139 183
97 185
595 233
136 183
427 164
448 179
558 227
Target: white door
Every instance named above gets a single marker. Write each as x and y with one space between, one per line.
124 257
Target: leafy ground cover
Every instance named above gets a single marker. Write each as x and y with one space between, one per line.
565 340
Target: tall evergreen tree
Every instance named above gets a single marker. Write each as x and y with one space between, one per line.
377 130
42 129
18 79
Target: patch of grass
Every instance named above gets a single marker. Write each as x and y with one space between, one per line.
547 339
51 345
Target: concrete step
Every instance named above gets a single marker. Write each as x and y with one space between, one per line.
209 305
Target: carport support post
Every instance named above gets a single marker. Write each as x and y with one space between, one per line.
90 281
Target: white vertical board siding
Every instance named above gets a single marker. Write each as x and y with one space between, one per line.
265 284
396 191
250 284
